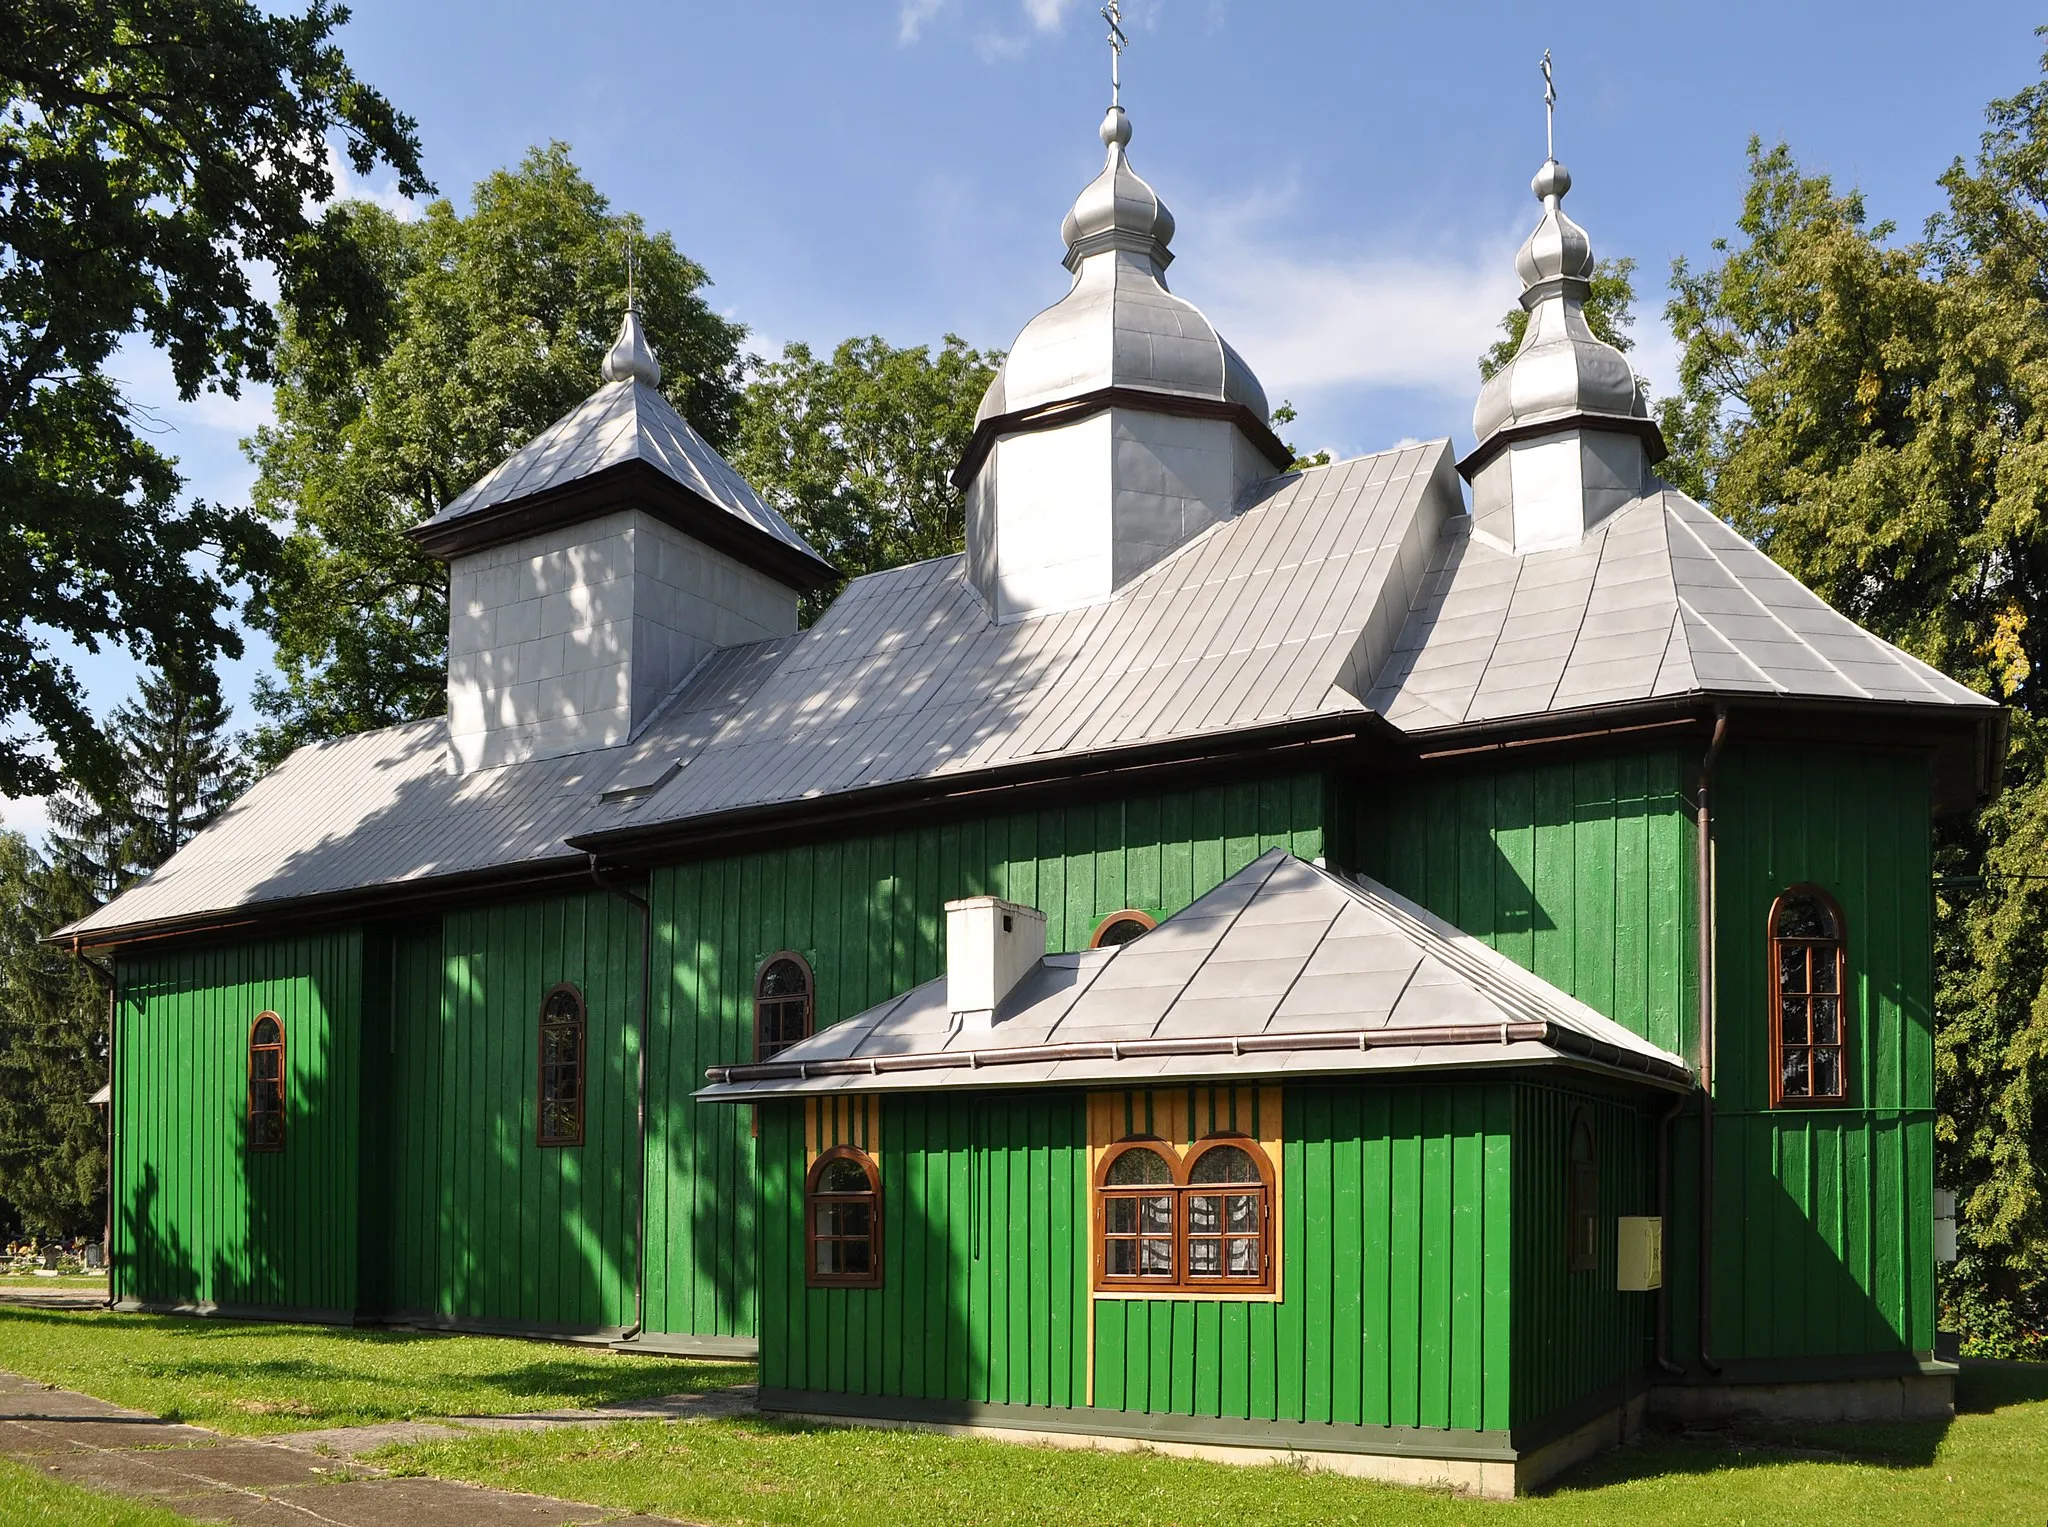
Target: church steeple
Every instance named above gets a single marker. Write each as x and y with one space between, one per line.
1565 437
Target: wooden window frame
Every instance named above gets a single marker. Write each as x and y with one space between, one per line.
1772 946
1127 915
813 1278
283 1111
1183 1283
761 1002
541 1136
1582 1194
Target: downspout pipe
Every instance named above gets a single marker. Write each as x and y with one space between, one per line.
646 911
106 978
1703 850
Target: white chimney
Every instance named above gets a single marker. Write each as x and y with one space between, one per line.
990 946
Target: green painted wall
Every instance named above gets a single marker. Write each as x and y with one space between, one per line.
474 1221
1396 1268
1824 1216
199 1218
868 913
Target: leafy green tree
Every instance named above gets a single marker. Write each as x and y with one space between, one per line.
499 319
53 1052
179 770
1285 415
858 451
151 154
1610 313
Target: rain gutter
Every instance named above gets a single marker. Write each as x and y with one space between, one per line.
1703 855
646 911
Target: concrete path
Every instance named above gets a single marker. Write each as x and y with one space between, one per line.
54 1296
285 1483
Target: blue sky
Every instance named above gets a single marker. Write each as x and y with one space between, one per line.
1350 181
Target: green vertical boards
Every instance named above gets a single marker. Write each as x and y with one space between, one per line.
1823 1217
482 1224
198 1217
868 914
1581 871
1395 1268
1576 1335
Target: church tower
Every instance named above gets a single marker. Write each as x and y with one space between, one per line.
1120 426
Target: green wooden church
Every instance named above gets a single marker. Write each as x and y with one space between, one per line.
1416 963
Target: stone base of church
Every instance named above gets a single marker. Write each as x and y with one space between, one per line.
1923 1391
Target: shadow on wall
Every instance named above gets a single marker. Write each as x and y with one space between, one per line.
151 1260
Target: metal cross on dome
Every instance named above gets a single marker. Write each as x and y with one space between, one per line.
1549 109
1117 44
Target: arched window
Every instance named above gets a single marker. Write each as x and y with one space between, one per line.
843 1220
266 1083
563 1021
1199 1224
1583 1196
1122 927
1809 999
783 1004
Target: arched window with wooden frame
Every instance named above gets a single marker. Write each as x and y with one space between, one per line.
1582 1195
843 1220
1193 1223
1809 975
266 1083
564 1022
785 1003
1122 927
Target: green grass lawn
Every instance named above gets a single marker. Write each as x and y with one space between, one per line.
27 1499
256 1379
1989 1468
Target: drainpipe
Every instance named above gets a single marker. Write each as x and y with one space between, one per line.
1703 846
106 979
639 903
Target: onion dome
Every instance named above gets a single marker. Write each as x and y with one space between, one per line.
1118 326
631 358
1561 369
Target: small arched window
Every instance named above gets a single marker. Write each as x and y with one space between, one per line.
1583 1195
563 1021
1122 927
266 1083
843 1220
1809 999
1200 1223
783 1004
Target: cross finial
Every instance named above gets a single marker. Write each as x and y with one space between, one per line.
1117 43
1549 109
632 272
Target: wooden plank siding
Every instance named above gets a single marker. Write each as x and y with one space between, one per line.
868 913
1395 1312
199 1219
1824 1217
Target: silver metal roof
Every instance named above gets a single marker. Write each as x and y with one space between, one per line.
624 420
1283 970
1118 326
1662 600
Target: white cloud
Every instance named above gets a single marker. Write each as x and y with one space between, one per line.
29 816
911 15
347 186
1046 15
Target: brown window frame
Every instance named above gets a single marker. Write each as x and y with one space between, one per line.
1774 944
810 1001
581 1023
813 1200
283 1111
1582 1195
1127 915
1182 1282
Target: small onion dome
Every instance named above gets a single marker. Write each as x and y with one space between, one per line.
631 358
1561 369
1118 326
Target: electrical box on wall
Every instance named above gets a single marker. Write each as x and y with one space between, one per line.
1639 1259
1944 1225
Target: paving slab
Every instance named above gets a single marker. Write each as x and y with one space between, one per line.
25 1435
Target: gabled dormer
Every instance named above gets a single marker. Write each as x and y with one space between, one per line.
595 567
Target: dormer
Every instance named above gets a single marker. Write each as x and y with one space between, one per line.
595 567
1120 426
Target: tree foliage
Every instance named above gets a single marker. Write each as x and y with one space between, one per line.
858 451
1610 313
499 319
151 153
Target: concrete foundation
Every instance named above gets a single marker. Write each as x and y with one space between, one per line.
1928 1395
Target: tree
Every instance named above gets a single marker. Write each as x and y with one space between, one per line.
1610 313
179 770
151 154
53 1053
858 451
499 321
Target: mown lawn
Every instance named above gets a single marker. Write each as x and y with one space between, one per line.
256 1379
27 1499
1987 1469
